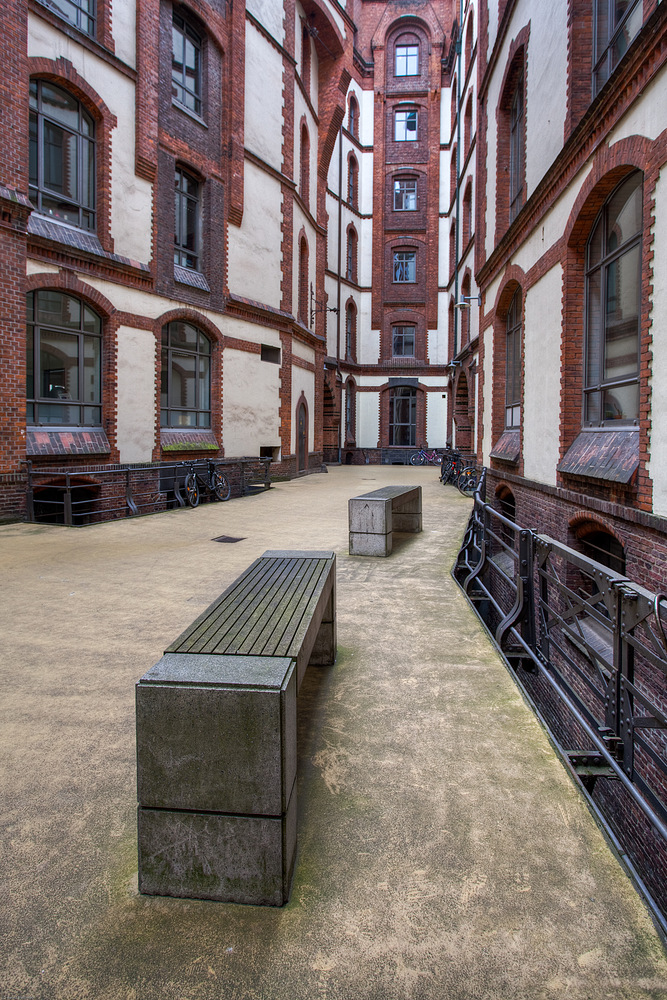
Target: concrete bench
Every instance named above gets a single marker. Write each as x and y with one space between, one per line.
216 735
374 516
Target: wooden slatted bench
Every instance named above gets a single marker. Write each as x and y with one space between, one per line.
216 735
375 516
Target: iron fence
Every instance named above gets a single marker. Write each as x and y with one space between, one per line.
588 647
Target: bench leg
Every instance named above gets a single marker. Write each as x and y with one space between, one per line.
324 650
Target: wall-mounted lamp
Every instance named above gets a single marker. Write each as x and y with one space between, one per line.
467 300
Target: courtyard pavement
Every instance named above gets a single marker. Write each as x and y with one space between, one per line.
444 852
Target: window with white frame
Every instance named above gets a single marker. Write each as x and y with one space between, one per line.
405 194
407 57
405 126
405 265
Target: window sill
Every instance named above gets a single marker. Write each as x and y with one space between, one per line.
185 276
77 239
190 114
174 439
47 442
508 446
611 455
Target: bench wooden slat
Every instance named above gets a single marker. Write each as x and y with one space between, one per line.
283 589
268 632
298 624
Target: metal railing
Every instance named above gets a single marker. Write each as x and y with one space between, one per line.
588 646
89 494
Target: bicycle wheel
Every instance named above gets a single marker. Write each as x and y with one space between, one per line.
191 489
221 486
467 482
417 458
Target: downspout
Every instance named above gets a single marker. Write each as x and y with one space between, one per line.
338 283
458 179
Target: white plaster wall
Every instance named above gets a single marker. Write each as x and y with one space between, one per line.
546 79
368 343
263 99
270 14
366 113
303 380
131 198
123 29
646 115
301 220
136 394
303 351
39 267
366 183
658 381
255 254
250 417
437 341
436 420
368 419
552 225
541 401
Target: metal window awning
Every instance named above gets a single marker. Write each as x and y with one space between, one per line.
612 455
508 447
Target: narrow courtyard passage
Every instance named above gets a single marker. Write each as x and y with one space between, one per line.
443 851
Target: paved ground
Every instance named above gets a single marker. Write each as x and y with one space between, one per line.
443 851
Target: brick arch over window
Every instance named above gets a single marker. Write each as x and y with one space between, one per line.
408 31
216 339
469 39
462 416
596 539
62 73
511 135
611 167
206 20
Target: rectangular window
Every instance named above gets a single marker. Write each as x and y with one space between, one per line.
186 221
403 341
405 126
407 60
616 23
186 66
405 265
80 13
405 195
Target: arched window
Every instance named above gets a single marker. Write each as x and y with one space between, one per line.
467 127
465 311
600 545
406 56
403 416
302 304
187 193
186 65
353 117
304 173
62 156
516 149
353 182
185 387
613 306
467 215
350 332
469 43
454 109
513 363
305 59
64 361
452 175
351 260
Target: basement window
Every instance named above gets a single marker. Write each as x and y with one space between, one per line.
270 354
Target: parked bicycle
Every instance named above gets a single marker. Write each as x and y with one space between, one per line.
453 470
423 457
214 481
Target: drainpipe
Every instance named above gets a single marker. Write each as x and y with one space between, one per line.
458 178
338 282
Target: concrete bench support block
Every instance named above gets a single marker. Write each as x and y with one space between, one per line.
376 515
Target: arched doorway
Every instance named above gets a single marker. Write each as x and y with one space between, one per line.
301 435
463 440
